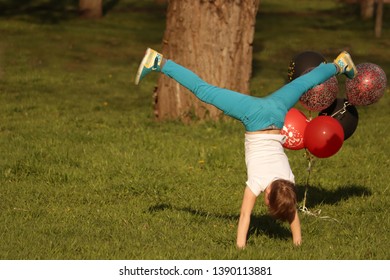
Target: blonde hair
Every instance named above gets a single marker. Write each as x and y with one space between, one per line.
282 200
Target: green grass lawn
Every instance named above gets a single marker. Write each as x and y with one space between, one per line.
86 172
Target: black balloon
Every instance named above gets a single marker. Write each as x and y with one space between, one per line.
346 114
303 61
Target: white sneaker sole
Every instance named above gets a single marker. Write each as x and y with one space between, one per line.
142 65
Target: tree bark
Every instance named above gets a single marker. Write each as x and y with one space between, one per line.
90 8
367 9
214 39
379 19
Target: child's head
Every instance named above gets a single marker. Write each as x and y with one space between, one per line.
282 200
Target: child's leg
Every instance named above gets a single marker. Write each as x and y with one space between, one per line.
290 93
232 103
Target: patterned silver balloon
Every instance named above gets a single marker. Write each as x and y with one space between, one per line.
321 96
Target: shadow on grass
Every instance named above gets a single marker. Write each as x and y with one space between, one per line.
319 196
264 224
52 12
259 225
165 206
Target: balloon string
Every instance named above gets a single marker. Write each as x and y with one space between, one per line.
310 159
303 207
342 110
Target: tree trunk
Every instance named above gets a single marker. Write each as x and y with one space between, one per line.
90 8
379 19
367 9
212 38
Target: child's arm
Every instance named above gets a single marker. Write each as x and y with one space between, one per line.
296 230
248 203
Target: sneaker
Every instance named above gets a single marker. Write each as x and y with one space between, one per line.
345 65
150 62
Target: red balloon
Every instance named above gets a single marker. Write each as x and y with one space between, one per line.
324 136
368 86
321 96
294 129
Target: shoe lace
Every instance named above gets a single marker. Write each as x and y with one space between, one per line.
155 64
